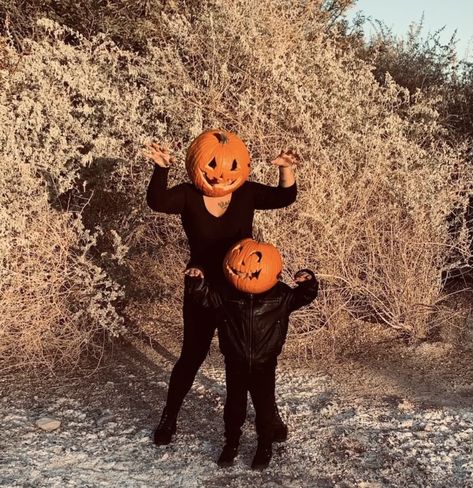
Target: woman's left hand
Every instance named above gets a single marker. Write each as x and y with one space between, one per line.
301 276
287 159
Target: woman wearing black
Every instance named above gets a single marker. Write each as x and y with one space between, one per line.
212 225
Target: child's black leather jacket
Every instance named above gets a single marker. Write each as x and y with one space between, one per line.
253 326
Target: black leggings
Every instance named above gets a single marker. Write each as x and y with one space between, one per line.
199 328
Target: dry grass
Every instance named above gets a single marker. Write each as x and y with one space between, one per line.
54 303
377 188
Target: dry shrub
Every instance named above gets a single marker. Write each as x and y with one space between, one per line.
377 186
128 22
420 60
55 303
379 190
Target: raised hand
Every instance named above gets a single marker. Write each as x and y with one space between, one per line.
194 272
286 159
159 154
301 276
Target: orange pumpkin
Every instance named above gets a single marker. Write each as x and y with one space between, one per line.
252 266
217 162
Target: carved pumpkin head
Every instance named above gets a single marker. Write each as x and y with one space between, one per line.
252 266
217 162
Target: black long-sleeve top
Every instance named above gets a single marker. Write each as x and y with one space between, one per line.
210 237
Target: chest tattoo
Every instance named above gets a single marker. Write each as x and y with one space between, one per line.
224 205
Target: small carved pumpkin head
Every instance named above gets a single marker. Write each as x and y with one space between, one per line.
217 162
252 266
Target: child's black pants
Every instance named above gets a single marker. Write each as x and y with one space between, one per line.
260 382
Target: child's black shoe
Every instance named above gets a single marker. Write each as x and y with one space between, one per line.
228 454
165 429
263 455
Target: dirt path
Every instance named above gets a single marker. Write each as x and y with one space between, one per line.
340 436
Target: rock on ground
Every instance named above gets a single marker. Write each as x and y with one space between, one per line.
48 424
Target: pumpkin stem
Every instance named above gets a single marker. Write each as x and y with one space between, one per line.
222 138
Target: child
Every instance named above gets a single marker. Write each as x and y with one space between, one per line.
251 335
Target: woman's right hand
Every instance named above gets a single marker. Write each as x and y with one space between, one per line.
159 154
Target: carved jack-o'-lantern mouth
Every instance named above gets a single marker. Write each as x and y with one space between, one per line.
244 275
218 183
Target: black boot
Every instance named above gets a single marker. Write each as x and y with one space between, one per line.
263 455
280 428
228 454
230 449
166 428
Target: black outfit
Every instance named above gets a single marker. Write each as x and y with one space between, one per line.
252 331
209 239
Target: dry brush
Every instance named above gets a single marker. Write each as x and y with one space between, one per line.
382 197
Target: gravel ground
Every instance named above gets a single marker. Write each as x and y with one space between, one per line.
340 435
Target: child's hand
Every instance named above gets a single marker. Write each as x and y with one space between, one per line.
286 159
159 154
194 272
301 276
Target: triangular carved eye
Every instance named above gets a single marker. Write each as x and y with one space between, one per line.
213 164
237 248
259 256
234 165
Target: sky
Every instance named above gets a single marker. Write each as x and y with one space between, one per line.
398 14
